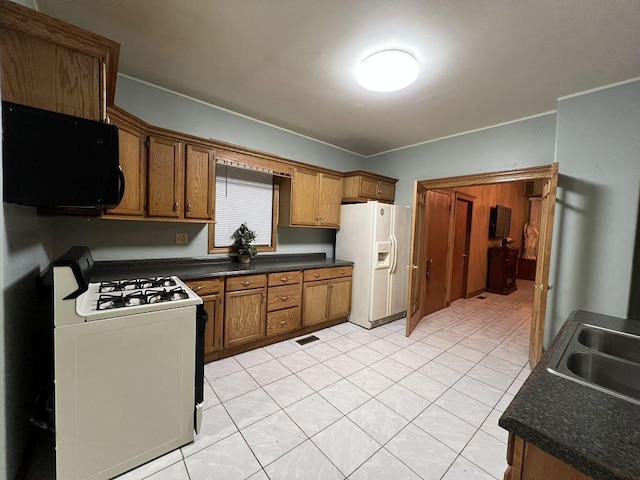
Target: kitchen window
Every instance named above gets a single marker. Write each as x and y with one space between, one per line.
243 196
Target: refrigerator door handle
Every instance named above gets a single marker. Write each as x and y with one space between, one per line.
394 258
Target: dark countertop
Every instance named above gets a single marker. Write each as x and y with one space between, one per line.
597 433
198 268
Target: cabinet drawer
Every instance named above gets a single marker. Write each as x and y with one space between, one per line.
246 282
327 273
284 278
283 297
205 287
283 321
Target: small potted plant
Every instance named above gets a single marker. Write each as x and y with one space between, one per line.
243 238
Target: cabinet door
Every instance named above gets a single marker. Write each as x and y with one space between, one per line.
304 197
315 306
41 74
132 161
368 187
387 192
330 199
339 298
166 178
213 331
199 182
244 317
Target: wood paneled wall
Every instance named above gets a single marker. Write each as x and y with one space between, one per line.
512 195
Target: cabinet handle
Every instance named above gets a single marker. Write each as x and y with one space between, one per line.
246 283
188 208
317 275
197 289
343 272
284 279
285 298
175 207
283 322
263 297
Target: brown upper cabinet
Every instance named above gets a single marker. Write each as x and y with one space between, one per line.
166 178
360 186
50 64
133 161
181 180
311 198
199 182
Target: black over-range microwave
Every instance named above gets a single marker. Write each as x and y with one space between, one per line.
55 160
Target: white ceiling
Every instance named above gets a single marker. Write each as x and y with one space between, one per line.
290 62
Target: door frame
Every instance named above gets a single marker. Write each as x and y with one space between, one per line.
549 175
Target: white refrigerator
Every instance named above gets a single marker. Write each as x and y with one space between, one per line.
376 237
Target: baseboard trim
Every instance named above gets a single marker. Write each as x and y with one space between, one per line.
476 293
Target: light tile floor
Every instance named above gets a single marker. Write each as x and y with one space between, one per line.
365 404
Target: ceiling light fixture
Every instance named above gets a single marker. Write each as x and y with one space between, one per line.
387 71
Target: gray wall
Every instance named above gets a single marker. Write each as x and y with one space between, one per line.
25 245
598 149
521 144
113 240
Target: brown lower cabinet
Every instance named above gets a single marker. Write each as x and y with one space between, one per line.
251 311
283 303
527 462
326 294
245 310
212 293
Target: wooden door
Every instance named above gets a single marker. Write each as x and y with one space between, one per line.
438 215
461 243
245 314
416 263
132 156
165 178
330 199
541 285
304 197
199 182
339 298
315 302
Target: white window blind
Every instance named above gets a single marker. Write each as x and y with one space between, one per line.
243 196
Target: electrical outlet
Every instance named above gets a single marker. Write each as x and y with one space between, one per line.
182 238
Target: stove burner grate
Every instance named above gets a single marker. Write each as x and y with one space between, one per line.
136 284
164 295
108 301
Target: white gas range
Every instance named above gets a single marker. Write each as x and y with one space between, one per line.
125 359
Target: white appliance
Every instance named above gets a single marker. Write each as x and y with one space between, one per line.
124 369
376 237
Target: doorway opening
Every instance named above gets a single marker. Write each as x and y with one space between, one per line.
431 276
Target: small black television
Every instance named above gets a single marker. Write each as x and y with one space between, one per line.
499 222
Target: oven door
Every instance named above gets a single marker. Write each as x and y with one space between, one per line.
124 391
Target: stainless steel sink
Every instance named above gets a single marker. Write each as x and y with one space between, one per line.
607 372
603 359
618 344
